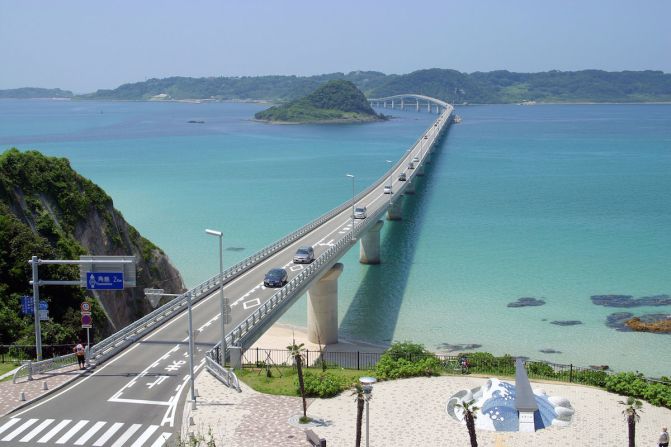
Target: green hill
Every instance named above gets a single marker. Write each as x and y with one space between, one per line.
50 211
33 92
336 101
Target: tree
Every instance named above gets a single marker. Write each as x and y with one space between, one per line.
469 416
296 351
360 400
630 412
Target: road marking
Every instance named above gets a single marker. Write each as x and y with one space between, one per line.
70 433
91 431
127 434
108 434
19 430
36 430
296 267
161 439
9 424
54 430
251 303
147 433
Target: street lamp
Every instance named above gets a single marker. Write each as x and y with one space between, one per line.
367 383
391 192
223 303
352 177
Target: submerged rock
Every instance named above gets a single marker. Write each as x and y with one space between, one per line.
660 326
459 347
566 322
549 351
630 301
618 320
526 302
234 248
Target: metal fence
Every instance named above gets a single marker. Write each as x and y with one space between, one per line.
449 364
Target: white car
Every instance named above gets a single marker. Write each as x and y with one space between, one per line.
387 189
360 212
415 160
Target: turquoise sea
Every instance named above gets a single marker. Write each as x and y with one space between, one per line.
555 202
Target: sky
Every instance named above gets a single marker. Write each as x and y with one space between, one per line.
84 45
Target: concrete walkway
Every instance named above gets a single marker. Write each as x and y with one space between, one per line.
34 389
407 412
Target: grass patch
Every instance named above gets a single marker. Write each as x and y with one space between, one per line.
282 382
6 367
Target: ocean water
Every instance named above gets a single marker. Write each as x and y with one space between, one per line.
556 202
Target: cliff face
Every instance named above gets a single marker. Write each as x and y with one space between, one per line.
68 215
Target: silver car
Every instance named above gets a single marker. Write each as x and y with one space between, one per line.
415 160
360 212
304 255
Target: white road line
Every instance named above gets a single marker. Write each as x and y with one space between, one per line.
127 434
54 431
36 430
140 401
91 431
9 424
70 433
19 430
147 433
161 439
108 434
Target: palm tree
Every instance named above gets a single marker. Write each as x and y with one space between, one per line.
360 399
630 412
296 351
469 416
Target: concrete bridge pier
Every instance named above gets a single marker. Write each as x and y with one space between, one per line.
369 245
428 106
323 308
418 105
392 103
395 211
402 104
420 170
410 189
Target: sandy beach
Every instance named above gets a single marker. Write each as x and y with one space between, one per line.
406 412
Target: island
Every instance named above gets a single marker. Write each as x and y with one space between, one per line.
336 101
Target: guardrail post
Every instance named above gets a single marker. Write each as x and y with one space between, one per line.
570 375
30 370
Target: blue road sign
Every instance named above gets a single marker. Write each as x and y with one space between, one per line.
104 280
27 307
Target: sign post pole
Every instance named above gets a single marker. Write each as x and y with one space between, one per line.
88 343
36 307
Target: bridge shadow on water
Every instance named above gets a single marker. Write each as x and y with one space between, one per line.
373 314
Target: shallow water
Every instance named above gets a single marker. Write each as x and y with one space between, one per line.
556 202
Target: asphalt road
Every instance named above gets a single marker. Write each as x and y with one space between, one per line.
136 398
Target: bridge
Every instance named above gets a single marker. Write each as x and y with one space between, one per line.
410 100
133 395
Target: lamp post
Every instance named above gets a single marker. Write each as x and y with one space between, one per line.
391 192
352 177
223 304
367 383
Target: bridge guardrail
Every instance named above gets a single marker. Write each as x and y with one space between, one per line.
30 368
225 375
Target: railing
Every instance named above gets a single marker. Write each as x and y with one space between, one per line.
225 375
31 368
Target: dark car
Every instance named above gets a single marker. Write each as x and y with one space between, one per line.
276 278
402 177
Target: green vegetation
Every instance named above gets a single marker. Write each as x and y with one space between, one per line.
284 380
450 85
635 385
335 101
32 92
45 208
407 360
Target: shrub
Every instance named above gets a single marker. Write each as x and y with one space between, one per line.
407 360
322 384
635 385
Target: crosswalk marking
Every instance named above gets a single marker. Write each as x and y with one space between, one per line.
9 424
91 431
108 434
70 433
127 434
36 430
19 430
53 431
147 433
161 439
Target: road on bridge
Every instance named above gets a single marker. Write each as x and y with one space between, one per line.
136 398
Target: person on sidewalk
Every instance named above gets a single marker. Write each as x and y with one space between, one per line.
663 438
81 354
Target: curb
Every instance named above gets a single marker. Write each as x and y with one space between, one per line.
41 396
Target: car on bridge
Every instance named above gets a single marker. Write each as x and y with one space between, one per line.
304 255
415 159
402 177
426 137
388 190
411 165
360 212
276 278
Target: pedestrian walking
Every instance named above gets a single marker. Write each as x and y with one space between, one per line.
663 438
80 352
